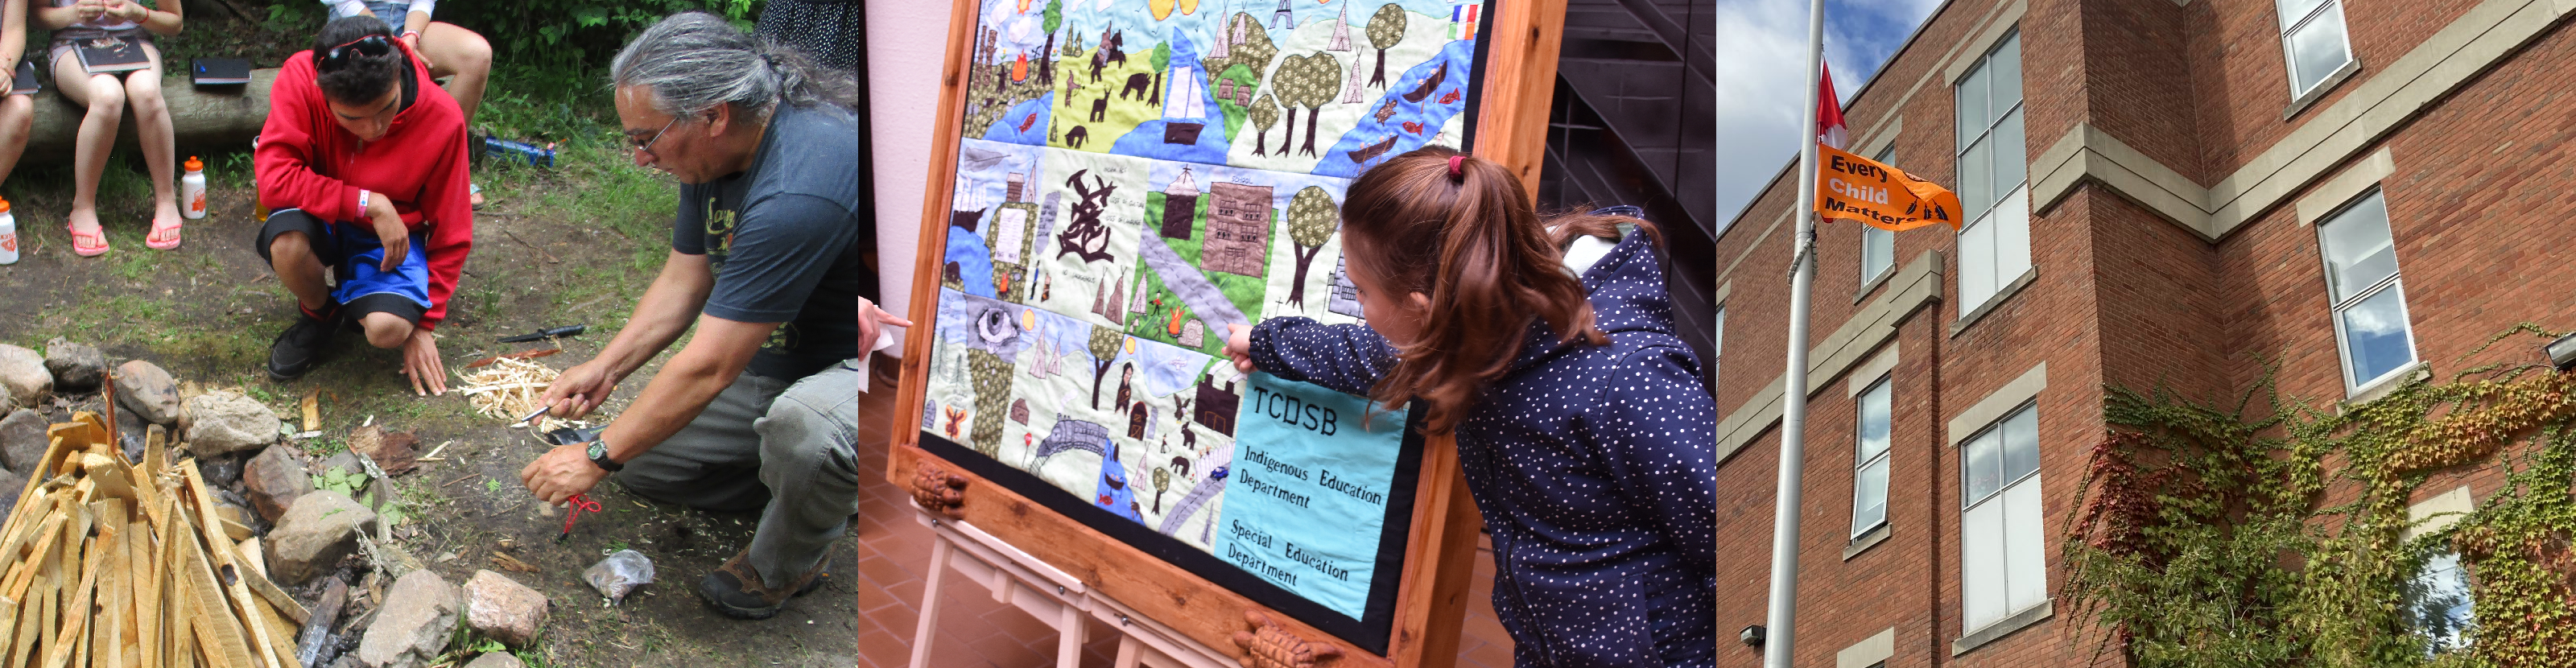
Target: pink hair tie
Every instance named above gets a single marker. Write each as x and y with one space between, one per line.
1457 171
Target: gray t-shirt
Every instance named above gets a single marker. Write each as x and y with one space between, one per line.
785 240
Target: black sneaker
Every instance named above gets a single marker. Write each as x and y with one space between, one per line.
300 347
739 594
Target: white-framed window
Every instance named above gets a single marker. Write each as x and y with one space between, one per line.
2002 544
2438 603
1877 246
1994 247
1716 339
1869 457
2369 297
2313 41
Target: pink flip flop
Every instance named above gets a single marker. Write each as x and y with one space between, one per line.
87 251
157 230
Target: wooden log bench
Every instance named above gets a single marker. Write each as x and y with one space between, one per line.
202 120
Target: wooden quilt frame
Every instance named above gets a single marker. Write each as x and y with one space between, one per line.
1518 85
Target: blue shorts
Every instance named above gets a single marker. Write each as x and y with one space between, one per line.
355 258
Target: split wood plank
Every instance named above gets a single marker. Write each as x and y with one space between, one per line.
48 533
313 409
268 590
234 532
238 596
218 633
71 637
22 637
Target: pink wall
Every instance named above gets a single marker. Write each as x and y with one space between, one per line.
904 54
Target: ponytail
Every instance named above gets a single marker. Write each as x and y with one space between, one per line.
694 61
1460 230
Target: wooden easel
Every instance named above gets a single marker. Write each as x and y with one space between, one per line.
1052 596
1046 549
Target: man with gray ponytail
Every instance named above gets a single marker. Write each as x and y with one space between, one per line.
770 263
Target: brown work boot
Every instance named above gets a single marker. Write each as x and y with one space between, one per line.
737 591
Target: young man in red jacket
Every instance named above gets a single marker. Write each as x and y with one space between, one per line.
361 146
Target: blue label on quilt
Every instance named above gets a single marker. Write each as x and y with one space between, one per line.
1307 499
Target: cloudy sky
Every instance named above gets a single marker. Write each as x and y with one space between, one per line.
1759 56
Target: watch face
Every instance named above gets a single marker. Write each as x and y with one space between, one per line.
598 449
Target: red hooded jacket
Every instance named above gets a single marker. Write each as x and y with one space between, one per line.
307 161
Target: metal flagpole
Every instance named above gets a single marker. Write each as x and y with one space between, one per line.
1780 628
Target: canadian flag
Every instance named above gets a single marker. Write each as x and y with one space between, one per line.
1829 112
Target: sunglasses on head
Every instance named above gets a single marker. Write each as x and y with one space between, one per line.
339 56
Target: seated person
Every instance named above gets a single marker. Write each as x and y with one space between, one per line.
362 164
17 112
448 50
768 264
106 94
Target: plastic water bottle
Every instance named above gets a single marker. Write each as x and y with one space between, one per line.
532 155
8 235
258 208
192 189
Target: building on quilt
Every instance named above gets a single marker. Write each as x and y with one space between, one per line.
1238 229
1180 204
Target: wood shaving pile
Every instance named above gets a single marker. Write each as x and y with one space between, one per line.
508 389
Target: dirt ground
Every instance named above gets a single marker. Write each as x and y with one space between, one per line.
568 246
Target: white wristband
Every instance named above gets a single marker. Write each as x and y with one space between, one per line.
362 201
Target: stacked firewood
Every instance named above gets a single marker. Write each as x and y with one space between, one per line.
124 564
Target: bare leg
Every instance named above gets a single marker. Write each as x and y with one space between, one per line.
386 330
460 53
104 95
291 254
453 51
17 119
152 127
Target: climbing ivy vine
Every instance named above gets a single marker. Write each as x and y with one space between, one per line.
2271 533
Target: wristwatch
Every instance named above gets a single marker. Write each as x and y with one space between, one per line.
599 457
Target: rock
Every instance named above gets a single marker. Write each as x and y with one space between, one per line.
347 661
496 660
130 429
345 461
413 627
23 378
147 390
502 609
76 367
220 471
22 440
314 534
221 422
11 485
274 479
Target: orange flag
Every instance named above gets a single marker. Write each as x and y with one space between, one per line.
1850 186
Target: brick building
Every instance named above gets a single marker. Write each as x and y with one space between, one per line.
2361 191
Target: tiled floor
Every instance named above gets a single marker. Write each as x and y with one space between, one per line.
974 630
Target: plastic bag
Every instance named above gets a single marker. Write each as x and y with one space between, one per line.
619 574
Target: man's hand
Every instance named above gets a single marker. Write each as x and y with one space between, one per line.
90 10
562 472
1238 345
421 363
873 321
580 390
389 231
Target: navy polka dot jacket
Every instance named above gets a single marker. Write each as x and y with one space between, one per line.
1595 468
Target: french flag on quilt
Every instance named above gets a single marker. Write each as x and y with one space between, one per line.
1463 20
